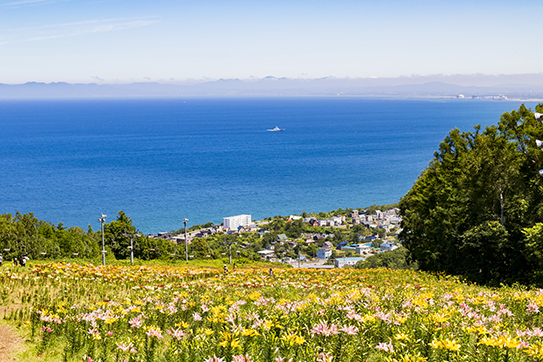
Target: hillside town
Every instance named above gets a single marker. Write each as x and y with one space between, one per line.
339 240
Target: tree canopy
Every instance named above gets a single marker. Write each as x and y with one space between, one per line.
476 209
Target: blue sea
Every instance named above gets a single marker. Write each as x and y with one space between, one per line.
161 160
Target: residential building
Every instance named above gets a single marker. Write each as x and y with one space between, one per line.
324 252
338 220
266 254
388 247
363 248
281 238
233 222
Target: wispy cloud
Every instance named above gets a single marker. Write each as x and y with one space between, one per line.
30 2
64 30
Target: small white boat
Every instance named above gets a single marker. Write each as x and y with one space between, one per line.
275 129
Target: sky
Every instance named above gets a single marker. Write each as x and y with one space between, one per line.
171 41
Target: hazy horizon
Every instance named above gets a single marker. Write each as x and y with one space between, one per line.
522 78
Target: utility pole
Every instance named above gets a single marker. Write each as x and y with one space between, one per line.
230 253
102 219
131 236
186 245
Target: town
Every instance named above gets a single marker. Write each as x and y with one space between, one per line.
338 239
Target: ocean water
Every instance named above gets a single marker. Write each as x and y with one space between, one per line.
161 160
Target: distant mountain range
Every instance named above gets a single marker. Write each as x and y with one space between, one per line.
523 86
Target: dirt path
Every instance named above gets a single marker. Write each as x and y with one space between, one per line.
9 343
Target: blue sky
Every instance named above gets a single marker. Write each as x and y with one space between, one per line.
116 41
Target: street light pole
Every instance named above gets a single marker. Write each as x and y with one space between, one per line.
131 236
186 245
102 219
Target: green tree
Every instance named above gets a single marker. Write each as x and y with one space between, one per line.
114 235
200 248
395 259
467 211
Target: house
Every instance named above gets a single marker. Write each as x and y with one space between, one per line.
338 220
178 239
310 220
343 262
266 254
252 228
363 249
281 237
353 214
324 252
164 235
395 220
328 244
326 222
388 247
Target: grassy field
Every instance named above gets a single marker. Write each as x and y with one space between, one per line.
75 312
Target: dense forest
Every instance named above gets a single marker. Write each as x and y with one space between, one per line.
477 210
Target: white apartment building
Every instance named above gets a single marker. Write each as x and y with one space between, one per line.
233 222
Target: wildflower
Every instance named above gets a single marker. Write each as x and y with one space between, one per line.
291 339
387 347
208 331
450 345
136 322
501 341
324 357
350 330
196 316
234 343
249 333
154 332
323 329
124 347
176 333
409 359
532 308
241 358
95 334
536 350
282 359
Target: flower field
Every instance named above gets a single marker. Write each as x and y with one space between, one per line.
89 313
